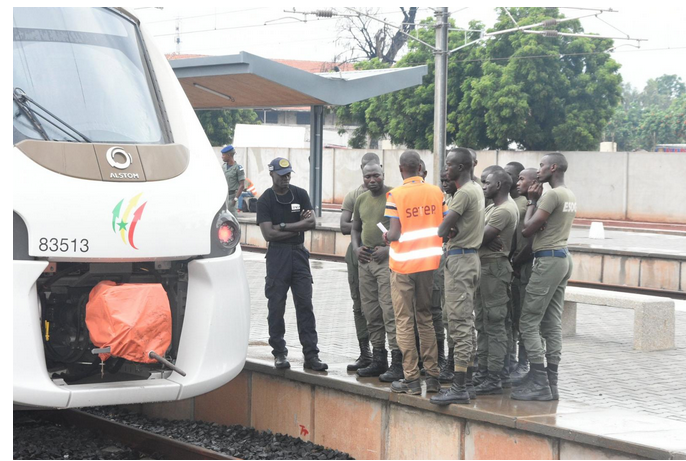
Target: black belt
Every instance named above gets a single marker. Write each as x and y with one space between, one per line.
460 251
556 253
233 192
298 246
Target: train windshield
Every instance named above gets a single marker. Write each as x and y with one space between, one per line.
80 75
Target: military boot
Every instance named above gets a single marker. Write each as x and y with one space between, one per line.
469 384
505 378
395 371
441 354
490 386
379 364
552 379
520 373
456 394
365 358
479 376
446 375
537 388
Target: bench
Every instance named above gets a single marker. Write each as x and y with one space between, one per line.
654 326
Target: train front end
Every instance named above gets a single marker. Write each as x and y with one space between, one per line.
115 183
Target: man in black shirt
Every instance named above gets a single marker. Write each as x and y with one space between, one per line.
284 214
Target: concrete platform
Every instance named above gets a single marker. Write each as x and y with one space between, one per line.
599 366
615 403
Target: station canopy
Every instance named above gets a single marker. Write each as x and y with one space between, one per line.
245 80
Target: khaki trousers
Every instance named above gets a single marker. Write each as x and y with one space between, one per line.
354 284
462 274
375 294
491 311
542 309
411 295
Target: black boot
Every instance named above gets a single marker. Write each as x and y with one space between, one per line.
538 387
505 373
505 378
520 373
395 371
479 376
471 390
281 361
447 370
365 358
490 386
379 364
441 354
552 379
456 394
313 363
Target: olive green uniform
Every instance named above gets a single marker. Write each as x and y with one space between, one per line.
552 268
519 282
463 270
234 174
375 277
353 276
492 297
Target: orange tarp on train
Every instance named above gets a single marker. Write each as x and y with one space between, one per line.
131 318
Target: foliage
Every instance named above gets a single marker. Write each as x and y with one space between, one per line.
540 93
657 115
220 125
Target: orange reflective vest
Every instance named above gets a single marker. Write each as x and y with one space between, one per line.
250 187
420 209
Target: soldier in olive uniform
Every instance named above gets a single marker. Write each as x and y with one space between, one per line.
464 223
491 306
549 220
522 262
447 366
235 177
513 169
347 209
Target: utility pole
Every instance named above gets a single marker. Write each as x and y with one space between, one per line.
441 88
177 39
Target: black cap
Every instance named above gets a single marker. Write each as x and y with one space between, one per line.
280 165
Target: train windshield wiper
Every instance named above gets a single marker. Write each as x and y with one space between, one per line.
23 100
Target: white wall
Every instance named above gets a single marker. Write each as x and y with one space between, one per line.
640 186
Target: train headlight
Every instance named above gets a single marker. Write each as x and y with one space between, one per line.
225 235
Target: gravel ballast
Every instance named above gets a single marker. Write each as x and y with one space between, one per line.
35 438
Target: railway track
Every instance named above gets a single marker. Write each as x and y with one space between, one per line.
576 283
132 437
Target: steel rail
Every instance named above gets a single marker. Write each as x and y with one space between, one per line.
132 437
575 283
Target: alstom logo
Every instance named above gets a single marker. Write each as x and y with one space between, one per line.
116 152
124 176
120 220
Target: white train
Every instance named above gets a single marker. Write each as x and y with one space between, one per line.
115 180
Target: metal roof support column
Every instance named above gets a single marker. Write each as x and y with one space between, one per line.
316 155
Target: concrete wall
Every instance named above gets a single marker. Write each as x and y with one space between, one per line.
370 424
630 270
637 186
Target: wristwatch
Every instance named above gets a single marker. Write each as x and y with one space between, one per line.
531 202
282 226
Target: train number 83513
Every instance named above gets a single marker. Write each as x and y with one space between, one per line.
63 245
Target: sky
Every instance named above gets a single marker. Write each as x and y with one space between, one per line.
278 33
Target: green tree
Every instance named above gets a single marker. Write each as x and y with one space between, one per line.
654 116
406 116
541 93
537 92
220 125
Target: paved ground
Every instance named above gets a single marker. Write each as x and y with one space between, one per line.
599 366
